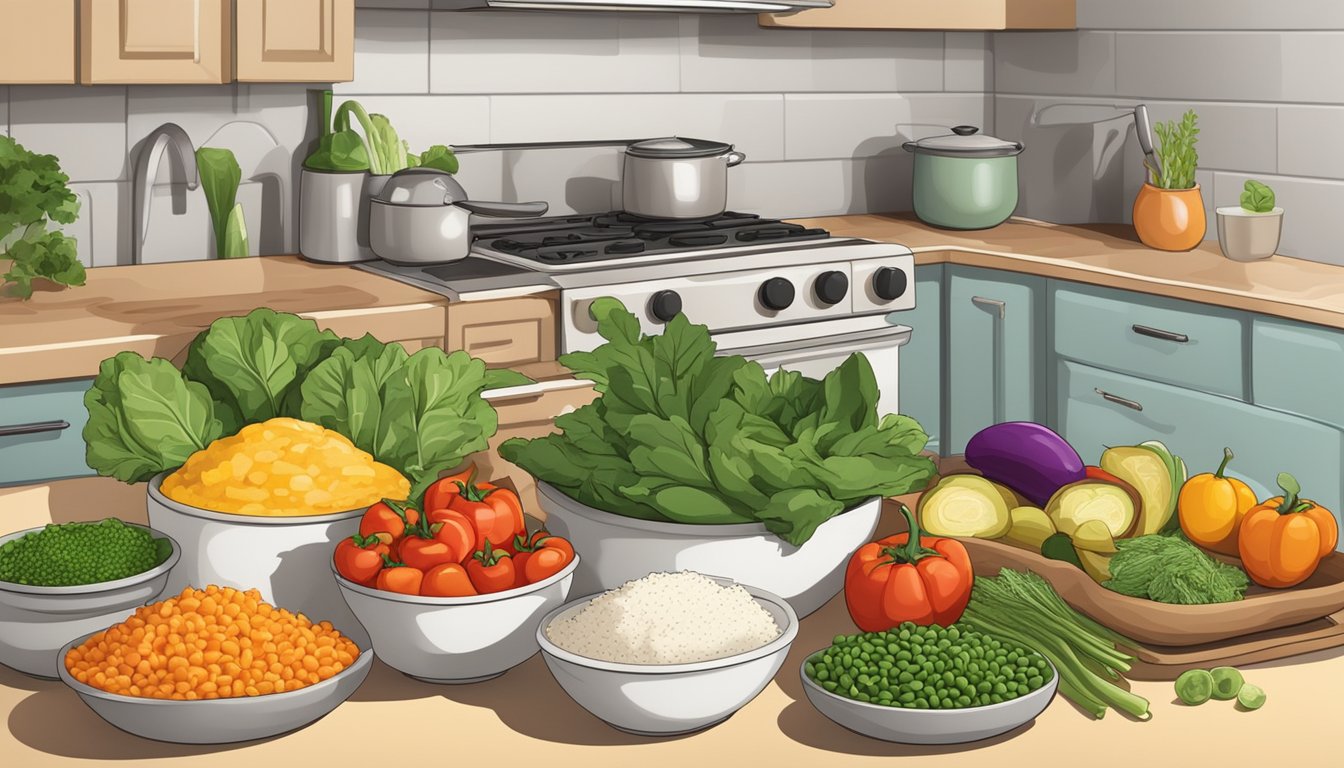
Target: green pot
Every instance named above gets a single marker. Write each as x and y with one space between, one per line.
965 180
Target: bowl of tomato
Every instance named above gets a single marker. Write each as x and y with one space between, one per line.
455 594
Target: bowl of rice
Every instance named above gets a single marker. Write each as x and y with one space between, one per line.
669 653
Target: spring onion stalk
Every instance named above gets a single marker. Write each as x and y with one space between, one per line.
1023 608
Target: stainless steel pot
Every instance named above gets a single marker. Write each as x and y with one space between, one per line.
965 180
422 216
675 178
334 215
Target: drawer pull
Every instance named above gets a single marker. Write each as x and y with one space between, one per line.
1118 400
991 304
1158 333
34 428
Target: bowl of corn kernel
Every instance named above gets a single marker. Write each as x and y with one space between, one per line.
263 509
213 666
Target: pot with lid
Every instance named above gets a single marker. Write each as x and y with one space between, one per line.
965 179
677 178
422 216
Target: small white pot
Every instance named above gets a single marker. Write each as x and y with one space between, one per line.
1247 236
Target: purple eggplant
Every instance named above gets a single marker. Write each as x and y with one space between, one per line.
1027 457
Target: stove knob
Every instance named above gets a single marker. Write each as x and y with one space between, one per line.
665 305
889 283
831 287
776 293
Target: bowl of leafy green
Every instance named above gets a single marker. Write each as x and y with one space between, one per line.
692 461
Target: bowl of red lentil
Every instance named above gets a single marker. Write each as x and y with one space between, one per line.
214 666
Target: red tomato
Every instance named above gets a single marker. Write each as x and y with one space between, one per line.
388 516
496 513
491 570
550 555
424 554
401 578
441 493
360 558
447 580
454 529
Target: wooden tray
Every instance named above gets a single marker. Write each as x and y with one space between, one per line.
1167 663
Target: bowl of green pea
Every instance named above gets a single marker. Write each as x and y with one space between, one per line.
928 685
60 582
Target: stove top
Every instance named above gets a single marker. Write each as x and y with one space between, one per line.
586 242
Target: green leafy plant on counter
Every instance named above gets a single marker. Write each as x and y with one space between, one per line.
1257 197
381 151
682 435
220 177
1176 152
420 413
1168 568
34 193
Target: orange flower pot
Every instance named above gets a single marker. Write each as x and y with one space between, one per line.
1170 219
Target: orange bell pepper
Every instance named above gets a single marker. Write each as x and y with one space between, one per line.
1283 539
908 577
1211 508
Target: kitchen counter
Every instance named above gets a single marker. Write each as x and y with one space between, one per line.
524 718
1111 255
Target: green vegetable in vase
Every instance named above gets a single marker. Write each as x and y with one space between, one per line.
1257 197
1227 682
73 554
679 434
1170 569
1251 697
220 177
34 193
440 157
1176 152
235 235
1194 686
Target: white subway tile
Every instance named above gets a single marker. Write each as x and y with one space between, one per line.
969 62
84 127
198 110
733 53
866 125
822 187
1210 14
501 52
426 120
1232 66
754 122
1242 137
1309 141
4 109
102 239
1066 63
1311 213
391 53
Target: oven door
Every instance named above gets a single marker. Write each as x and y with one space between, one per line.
815 349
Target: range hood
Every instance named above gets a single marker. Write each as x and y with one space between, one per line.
675 6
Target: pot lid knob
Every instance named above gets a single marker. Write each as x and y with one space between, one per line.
965 130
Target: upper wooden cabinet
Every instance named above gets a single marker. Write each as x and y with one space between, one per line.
39 46
295 40
156 41
932 14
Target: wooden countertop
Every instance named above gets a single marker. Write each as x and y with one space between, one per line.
524 718
1111 255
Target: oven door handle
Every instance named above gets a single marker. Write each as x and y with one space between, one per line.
899 334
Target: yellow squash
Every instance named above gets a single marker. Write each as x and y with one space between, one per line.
1211 508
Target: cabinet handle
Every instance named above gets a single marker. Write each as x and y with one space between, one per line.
34 428
1118 400
1158 333
998 309
196 34
993 305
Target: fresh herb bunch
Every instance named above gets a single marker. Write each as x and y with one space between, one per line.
1257 197
1169 569
1176 152
33 193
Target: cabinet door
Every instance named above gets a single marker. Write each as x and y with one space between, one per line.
156 41
1099 408
993 351
921 379
39 45
40 431
295 41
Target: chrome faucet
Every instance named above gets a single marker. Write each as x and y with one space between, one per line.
167 136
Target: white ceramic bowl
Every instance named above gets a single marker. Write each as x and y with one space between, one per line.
36 621
221 721
456 639
669 699
286 559
618 549
928 726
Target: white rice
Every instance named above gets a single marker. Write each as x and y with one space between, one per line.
666 618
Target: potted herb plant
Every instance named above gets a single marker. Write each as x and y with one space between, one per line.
1251 230
34 194
1169 210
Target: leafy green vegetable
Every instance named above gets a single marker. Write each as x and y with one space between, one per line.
1170 569
380 151
680 434
145 417
440 157
235 235
220 177
1176 152
1257 197
33 193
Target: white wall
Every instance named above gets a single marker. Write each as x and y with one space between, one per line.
1265 79
821 115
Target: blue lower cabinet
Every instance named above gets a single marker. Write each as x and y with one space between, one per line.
40 431
994 351
921 366
1097 408
1298 368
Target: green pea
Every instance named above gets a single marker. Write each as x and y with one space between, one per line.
1194 686
1227 682
1251 696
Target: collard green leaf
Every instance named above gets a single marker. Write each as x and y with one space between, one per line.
503 378
795 514
220 176
440 157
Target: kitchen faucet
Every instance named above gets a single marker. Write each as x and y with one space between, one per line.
167 136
